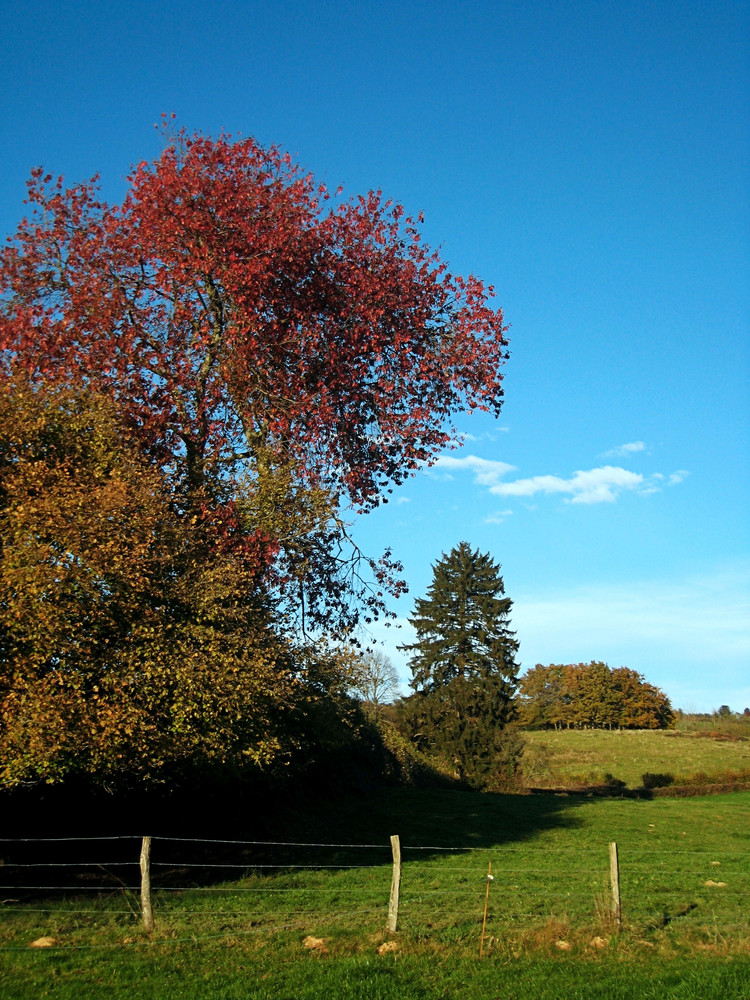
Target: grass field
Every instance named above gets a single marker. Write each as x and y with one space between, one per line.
239 931
578 756
210 973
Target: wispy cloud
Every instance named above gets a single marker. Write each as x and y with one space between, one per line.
623 450
466 436
688 635
498 517
700 622
486 471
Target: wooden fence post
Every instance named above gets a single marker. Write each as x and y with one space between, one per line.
614 879
146 910
490 878
395 885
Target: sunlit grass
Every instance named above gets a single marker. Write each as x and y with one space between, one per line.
559 757
244 932
684 871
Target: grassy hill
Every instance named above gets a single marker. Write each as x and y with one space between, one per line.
555 758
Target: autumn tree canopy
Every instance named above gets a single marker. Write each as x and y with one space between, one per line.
131 643
591 695
250 326
200 385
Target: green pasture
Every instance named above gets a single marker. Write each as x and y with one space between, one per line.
571 756
206 972
240 930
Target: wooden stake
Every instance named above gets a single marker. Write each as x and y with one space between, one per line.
146 910
614 879
395 886
486 902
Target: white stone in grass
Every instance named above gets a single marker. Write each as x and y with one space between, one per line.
315 944
387 946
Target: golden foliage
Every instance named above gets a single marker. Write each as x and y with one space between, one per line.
131 638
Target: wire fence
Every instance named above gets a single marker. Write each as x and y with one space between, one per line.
96 892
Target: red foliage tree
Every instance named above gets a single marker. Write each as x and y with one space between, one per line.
245 321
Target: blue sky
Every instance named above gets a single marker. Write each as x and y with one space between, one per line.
589 159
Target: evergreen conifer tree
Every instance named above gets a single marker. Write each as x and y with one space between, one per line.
464 667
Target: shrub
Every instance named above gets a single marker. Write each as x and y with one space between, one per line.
613 782
656 780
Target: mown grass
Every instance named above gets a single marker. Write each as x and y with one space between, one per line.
239 932
579 756
211 973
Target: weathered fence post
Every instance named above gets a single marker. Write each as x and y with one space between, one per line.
395 885
146 910
614 879
486 902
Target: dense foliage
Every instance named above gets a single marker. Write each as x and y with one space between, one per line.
591 695
464 667
246 364
130 638
247 328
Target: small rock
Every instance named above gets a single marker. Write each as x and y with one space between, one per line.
712 883
315 944
563 945
598 942
387 946
43 942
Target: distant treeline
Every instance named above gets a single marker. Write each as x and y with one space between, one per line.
581 695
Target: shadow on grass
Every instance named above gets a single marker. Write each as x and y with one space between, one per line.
193 832
441 818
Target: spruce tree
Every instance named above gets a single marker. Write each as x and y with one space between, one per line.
463 665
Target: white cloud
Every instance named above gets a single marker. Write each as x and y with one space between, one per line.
486 472
623 450
403 500
601 485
